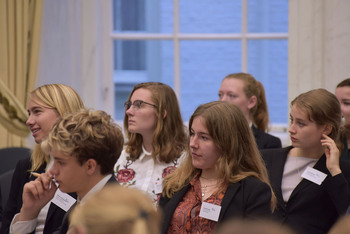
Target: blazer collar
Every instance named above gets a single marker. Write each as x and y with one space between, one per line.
171 206
229 195
320 166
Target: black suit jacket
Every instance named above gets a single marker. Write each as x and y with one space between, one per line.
65 222
311 208
265 140
20 177
248 198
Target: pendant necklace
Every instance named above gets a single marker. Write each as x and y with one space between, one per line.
204 188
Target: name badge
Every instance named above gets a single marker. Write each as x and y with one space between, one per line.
63 200
210 211
158 187
314 175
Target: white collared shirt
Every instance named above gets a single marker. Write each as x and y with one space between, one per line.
144 173
28 226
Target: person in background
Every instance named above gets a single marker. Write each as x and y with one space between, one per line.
46 104
248 94
343 94
132 212
222 177
310 182
156 138
84 147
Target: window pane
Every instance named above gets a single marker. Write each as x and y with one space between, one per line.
203 66
207 16
268 16
157 59
268 63
143 16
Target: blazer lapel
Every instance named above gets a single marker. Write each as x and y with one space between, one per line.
170 207
320 166
229 195
276 168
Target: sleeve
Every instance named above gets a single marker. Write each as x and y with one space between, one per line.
339 191
14 201
20 227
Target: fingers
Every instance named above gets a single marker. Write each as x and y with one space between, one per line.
41 186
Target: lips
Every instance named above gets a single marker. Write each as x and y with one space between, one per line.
293 139
34 131
195 155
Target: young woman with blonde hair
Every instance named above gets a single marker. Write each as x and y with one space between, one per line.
46 104
243 90
310 182
156 138
223 169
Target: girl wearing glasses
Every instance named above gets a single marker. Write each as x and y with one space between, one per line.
156 138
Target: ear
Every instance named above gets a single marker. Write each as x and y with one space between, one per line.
327 129
164 114
91 166
252 102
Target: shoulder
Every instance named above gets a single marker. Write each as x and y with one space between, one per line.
22 168
254 183
265 140
266 153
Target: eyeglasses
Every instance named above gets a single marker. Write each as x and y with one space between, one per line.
136 104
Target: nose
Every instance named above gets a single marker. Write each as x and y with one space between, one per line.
30 121
291 128
193 142
53 170
224 98
130 111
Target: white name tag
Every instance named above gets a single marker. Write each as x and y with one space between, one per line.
158 187
210 211
63 200
314 175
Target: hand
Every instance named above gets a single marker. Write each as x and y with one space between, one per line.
36 194
332 155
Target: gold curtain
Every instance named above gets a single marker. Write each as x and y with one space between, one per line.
20 30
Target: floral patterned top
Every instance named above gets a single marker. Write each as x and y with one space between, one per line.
144 173
186 216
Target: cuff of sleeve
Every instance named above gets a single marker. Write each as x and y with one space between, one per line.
335 181
19 227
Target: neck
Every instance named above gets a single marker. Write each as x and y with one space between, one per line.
147 143
308 152
89 184
209 174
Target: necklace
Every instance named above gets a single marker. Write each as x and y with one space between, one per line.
204 188
206 178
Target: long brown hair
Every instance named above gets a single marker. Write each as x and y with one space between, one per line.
252 87
169 138
232 135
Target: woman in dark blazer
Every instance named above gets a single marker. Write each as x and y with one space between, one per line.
243 90
311 185
46 104
223 176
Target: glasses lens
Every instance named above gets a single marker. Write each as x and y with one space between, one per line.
127 105
137 104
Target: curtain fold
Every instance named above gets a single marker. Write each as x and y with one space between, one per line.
20 30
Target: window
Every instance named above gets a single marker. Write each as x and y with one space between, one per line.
192 45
